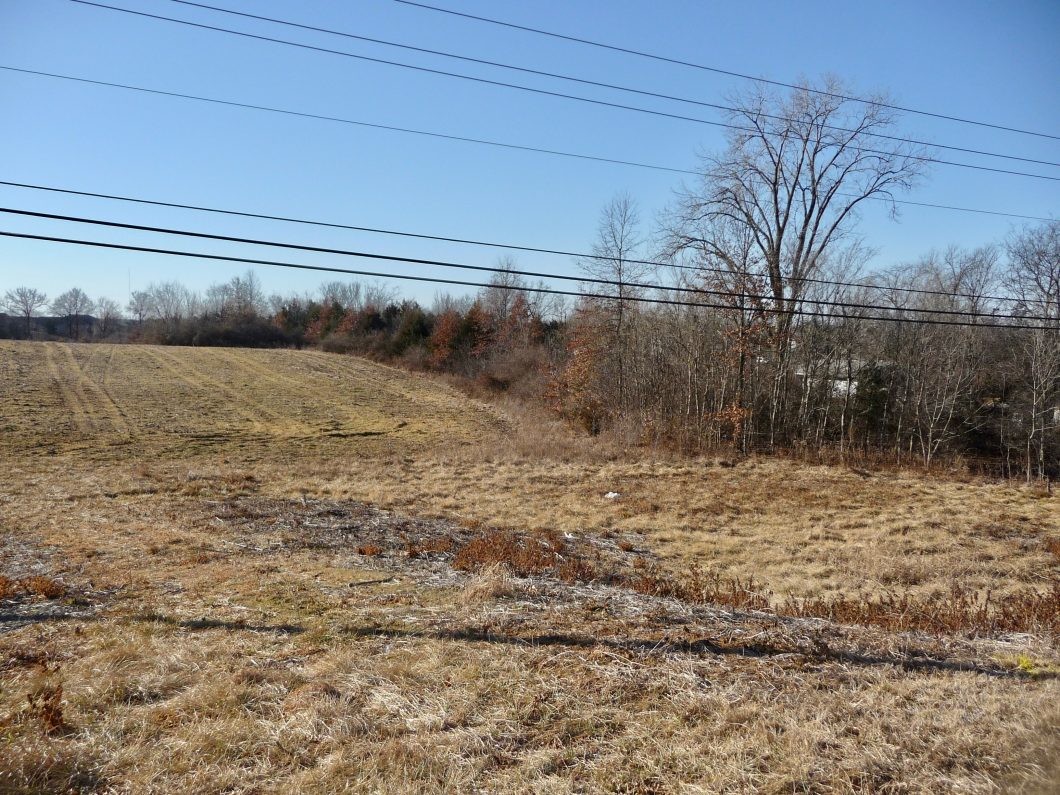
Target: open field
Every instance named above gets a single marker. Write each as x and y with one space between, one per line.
264 578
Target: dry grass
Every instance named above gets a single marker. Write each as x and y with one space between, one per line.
232 622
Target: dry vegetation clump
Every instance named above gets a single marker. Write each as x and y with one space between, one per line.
45 701
958 610
370 550
701 587
8 587
437 545
1052 546
953 611
36 585
488 584
524 556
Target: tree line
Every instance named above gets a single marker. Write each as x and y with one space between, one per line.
800 351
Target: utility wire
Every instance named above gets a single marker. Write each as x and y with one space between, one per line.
471 242
727 72
387 127
599 84
437 280
540 91
494 269
462 139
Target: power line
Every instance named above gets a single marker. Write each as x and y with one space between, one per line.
727 72
438 280
597 83
472 242
494 269
387 127
460 138
540 91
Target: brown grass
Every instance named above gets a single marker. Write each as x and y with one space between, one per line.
287 663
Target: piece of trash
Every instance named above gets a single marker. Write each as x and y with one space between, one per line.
569 536
612 495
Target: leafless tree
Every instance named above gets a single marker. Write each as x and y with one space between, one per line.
171 302
108 313
793 176
348 295
505 286
141 305
24 301
617 259
1034 279
74 305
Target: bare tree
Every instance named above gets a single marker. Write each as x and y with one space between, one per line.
1034 278
794 175
74 305
618 244
171 302
24 301
348 295
108 313
141 305
505 287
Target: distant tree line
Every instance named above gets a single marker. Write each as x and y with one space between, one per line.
801 352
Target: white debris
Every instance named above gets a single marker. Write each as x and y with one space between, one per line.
612 495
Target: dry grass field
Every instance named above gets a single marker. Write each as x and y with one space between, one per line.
282 571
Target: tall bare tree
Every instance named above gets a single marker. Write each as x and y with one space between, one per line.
1034 278
618 244
24 301
794 175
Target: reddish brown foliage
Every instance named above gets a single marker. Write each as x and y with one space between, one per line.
442 544
42 586
46 702
958 610
8 587
370 550
523 556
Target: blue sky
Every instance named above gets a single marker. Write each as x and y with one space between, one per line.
983 60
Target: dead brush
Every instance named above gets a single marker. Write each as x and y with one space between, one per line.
523 556
43 586
370 550
491 582
577 570
700 587
45 701
8 588
1052 546
958 610
441 544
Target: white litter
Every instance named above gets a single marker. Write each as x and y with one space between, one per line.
612 495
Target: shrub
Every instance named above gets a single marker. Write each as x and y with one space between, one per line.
42 586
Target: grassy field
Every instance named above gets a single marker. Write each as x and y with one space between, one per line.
280 571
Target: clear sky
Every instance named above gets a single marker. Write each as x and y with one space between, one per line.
985 60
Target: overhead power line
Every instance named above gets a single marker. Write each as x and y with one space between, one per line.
597 83
539 91
438 280
494 269
472 242
727 72
459 138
